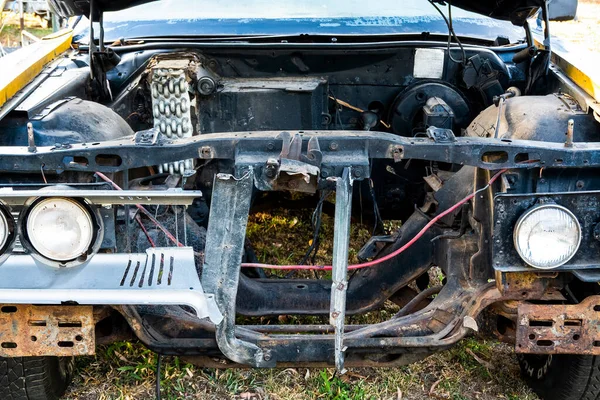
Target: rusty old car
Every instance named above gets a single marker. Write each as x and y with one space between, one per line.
135 144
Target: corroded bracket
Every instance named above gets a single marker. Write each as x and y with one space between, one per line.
559 328
27 330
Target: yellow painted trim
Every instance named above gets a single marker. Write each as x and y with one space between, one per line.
20 67
588 81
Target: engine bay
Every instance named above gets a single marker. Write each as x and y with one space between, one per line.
400 132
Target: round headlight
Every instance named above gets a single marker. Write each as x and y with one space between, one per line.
547 236
60 229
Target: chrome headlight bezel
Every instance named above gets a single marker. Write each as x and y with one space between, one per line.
97 232
527 214
7 222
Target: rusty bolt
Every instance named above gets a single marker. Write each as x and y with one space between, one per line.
335 314
569 138
267 355
271 168
270 172
397 153
205 152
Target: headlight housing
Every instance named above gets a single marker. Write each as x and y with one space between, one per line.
547 236
62 230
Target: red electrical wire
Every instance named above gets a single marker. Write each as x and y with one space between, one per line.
141 224
144 211
388 256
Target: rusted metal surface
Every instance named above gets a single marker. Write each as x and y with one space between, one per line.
526 285
27 330
559 329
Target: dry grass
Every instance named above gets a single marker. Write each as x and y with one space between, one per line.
127 371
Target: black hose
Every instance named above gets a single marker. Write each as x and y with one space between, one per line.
451 33
157 376
407 309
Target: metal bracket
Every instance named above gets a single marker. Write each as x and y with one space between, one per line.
64 331
441 135
293 170
559 328
225 237
339 274
175 196
149 137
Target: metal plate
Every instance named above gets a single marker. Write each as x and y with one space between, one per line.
585 205
160 276
559 329
125 197
27 330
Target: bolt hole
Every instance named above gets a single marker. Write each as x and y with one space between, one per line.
79 338
531 337
545 343
34 339
576 337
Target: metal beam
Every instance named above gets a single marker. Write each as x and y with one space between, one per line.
339 275
225 237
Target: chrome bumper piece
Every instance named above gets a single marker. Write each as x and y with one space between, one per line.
161 276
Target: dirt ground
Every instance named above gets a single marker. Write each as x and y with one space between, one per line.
585 30
476 369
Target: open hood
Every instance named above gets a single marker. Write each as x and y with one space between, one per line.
516 11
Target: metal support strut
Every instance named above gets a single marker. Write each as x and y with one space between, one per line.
339 275
225 237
